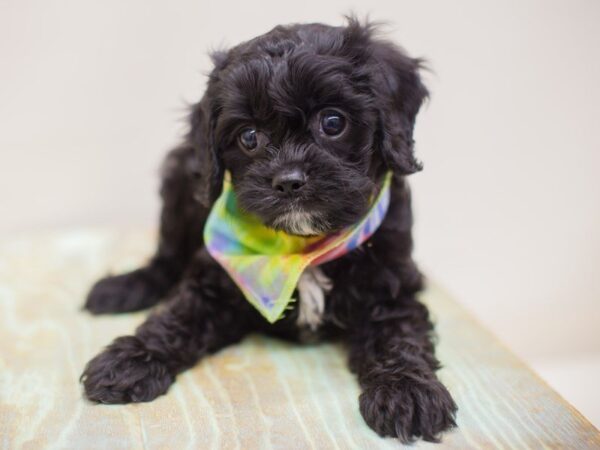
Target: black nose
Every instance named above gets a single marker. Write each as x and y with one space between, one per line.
289 181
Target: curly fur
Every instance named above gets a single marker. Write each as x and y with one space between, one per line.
279 82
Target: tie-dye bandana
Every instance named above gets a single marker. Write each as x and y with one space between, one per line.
266 264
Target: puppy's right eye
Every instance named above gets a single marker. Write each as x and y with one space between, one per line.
332 123
248 139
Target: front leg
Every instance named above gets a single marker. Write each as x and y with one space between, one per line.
393 356
204 314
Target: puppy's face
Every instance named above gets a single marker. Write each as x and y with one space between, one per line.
296 118
297 136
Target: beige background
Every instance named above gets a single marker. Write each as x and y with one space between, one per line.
92 95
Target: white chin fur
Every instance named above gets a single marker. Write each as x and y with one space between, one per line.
297 222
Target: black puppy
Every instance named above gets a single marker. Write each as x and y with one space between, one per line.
307 119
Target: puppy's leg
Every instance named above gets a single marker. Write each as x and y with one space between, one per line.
182 221
204 314
393 355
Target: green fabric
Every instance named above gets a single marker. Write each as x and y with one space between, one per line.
266 264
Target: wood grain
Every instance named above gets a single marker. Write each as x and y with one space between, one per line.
259 394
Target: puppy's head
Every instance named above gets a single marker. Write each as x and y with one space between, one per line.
307 119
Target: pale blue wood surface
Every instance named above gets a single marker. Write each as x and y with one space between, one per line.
259 394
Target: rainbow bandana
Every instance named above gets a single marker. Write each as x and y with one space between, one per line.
266 264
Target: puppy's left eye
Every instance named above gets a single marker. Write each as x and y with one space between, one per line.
332 123
248 139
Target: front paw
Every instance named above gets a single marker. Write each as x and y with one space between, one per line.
125 372
409 410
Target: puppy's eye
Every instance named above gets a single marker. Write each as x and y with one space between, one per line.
332 123
248 138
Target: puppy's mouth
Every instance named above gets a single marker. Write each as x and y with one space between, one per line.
301 223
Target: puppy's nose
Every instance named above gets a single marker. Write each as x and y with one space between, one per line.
289 181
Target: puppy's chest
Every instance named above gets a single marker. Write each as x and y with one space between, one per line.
313 287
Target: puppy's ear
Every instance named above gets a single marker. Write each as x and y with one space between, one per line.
202 138
399 94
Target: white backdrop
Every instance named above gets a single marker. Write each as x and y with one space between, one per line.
508 215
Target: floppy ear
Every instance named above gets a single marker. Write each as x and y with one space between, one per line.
202 138
399 94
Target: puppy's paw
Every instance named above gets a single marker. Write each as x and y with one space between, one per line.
409 410
125 372
123 293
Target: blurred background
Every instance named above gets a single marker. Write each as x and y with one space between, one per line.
92 95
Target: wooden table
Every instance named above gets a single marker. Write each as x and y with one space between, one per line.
259 394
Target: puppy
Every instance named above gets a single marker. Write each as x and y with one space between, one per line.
306 121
